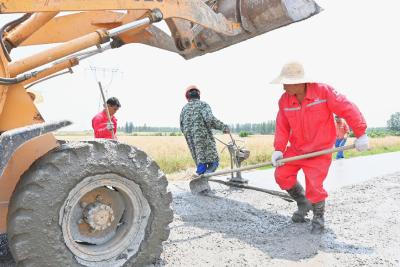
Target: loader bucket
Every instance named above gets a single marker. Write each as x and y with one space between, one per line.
255 16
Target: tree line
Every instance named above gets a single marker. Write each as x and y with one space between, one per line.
251 128
392 128
129 127
254 128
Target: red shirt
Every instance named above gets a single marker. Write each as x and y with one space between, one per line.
99 125
341 129
310 126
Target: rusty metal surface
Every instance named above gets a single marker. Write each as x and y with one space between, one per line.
197 27
151 36
256 17
87 230
131 218
181 32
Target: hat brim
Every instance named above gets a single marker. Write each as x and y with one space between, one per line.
285 80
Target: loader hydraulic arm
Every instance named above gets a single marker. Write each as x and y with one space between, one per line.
197 27
195 11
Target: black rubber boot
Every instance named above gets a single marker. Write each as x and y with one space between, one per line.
318 222
303 205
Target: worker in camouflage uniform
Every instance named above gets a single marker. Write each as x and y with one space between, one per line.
197 122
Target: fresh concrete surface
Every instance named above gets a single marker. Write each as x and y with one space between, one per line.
248 228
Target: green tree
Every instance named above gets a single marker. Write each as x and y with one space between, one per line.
394 122
130 127
126 127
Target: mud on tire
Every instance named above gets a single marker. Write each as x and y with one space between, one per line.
34 227
6 258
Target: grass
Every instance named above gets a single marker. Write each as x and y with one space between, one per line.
173 156
378 145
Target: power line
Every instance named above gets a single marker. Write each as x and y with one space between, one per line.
105 76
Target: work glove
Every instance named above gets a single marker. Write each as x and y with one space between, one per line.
362 143
110 126
277 155
226 130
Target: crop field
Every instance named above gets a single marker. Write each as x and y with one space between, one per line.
173 156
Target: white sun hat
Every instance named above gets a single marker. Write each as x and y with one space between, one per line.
291 73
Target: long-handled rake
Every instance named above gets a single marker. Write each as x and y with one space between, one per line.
200 183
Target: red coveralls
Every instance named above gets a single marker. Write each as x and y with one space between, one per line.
341 129
99 125
310 127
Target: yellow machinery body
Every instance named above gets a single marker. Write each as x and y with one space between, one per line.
196 27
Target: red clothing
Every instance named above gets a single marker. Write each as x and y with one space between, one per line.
341 129
315 171
99 125
310 127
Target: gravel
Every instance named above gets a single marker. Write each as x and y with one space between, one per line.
248 228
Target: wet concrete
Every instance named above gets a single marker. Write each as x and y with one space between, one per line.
342 172
235 227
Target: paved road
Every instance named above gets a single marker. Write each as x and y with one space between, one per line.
342 172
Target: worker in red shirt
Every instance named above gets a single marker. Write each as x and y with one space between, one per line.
342 130
100 123
305 120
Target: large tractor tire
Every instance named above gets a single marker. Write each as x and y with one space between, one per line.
97 203
6 258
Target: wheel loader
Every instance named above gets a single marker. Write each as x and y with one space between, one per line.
100 202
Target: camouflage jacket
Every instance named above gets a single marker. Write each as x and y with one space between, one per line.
197 122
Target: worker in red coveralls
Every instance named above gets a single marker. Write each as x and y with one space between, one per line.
100 124
342 130
305 120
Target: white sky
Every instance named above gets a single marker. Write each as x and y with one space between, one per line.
352 45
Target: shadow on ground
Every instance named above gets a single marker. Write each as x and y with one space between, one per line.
269 231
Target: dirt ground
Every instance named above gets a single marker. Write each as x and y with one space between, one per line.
248 228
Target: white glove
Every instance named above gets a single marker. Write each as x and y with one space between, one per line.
276 156
226 130
362 143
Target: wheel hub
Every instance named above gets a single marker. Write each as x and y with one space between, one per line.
99 216
104 219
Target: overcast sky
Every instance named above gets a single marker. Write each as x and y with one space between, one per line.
352 45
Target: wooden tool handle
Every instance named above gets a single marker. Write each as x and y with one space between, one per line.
318 153
256 166
106 109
